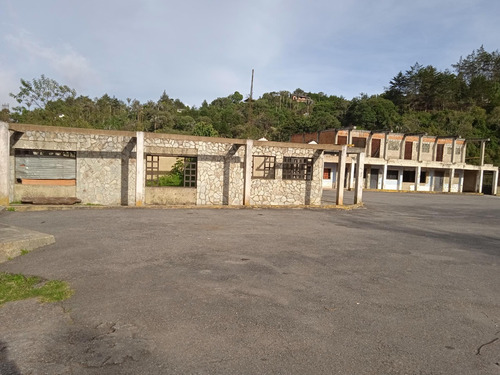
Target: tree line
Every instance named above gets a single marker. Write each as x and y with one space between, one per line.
464 101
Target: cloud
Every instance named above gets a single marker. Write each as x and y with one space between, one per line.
73 68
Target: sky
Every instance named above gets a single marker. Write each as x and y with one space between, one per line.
201 50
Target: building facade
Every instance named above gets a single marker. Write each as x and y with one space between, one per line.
138 168
407 162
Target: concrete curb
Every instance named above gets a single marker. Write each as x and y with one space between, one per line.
28 208
14 239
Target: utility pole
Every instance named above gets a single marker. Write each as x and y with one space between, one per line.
250 101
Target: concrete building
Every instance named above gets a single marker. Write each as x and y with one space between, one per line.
406 162
137 168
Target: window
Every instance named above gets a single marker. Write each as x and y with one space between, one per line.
263 167
170 171
359 142
48 166
342 140
426 147
297 168
458 151
327 174
408 176
423 177
392 174
375 148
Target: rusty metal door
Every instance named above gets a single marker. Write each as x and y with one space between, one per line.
375 148
408 150
440 151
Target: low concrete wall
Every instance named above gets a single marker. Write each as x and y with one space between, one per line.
36 191
167 195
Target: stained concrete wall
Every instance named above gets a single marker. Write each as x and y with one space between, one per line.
170 195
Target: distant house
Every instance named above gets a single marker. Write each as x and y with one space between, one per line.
301 98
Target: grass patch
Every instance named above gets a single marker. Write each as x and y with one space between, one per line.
11 209
14 287
24 251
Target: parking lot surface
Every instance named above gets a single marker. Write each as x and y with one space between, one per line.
409 284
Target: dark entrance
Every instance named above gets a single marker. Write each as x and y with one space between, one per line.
374 178
487 182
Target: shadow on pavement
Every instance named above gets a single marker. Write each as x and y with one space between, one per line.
7 367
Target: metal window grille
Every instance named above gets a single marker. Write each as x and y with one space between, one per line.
189 172
153 169
48 153
297 168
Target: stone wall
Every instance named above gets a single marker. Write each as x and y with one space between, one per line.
288 192
106 169
220 165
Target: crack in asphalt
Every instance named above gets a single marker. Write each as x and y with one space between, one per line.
478 352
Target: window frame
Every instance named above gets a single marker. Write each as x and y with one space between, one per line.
269 171
153 172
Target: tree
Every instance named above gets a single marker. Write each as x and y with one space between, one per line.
204 129
41 91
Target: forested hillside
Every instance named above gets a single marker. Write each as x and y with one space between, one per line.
464 100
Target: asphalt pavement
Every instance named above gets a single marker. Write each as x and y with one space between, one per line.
409 284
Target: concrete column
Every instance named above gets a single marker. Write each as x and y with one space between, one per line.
461 182
341 175
248 172
349 137
400 179
384 176
480 182
140 177
453 146
418 170
369 146
452 175
483 143
464 149
402 147
358 193
386 145
419 156
351 174
4 163
494 188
